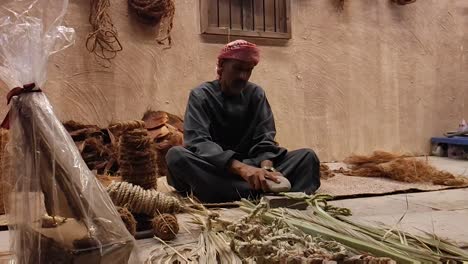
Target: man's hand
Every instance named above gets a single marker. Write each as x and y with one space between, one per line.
256 177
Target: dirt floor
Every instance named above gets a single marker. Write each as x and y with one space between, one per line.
441 212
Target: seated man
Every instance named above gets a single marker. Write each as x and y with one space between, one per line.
229 137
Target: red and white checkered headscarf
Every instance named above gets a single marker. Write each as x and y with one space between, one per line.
239 50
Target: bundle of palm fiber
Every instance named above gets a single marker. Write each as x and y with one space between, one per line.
96 146
153 11
138 159
106 179
79 131
103 41
140 201
166 130
165 226
98 155
400 168
128 219
5 169
118 128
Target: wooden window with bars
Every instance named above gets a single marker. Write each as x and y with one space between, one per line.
250 18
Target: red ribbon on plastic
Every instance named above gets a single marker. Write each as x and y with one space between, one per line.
27 88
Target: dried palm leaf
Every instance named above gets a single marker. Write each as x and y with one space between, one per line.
329 222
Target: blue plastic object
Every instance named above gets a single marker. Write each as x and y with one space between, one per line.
452 141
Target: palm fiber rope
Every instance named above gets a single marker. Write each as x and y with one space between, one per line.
102 41
154 11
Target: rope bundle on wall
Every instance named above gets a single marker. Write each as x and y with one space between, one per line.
102 41
153 12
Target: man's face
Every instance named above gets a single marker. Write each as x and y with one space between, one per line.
234 76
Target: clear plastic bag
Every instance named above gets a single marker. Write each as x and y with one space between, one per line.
57 210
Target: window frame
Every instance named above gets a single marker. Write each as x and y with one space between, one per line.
206 29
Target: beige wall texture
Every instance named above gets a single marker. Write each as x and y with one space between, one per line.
373 76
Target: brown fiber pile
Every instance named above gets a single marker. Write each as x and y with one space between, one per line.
400 168
95 145
99 147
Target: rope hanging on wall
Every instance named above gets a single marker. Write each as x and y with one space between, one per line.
153 12
103 40
340 4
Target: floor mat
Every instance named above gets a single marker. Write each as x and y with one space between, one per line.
350 186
